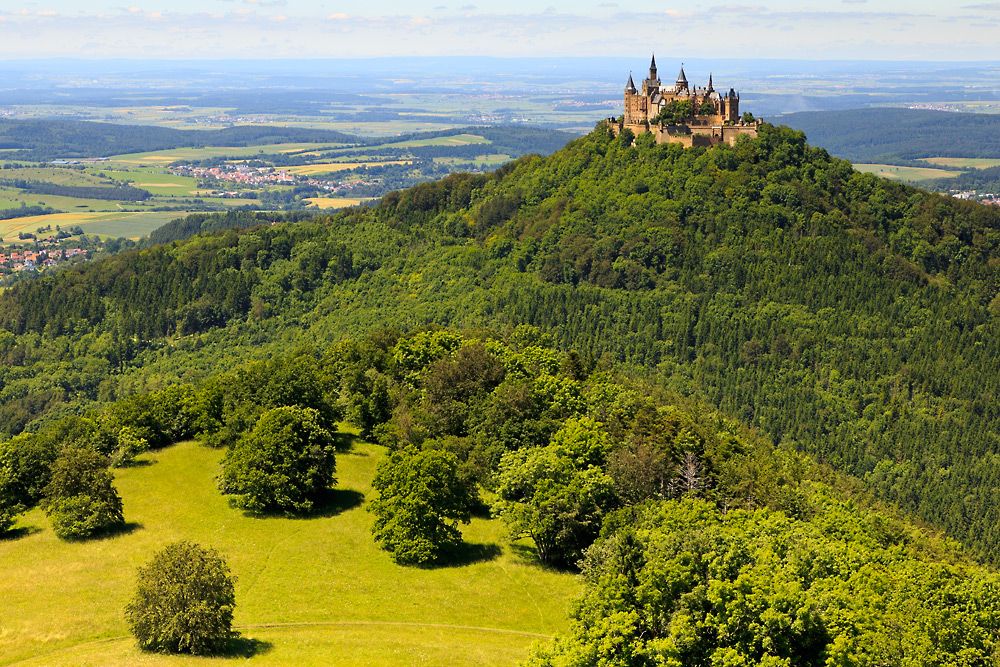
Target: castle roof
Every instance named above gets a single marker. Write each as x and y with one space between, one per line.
630 86
681 78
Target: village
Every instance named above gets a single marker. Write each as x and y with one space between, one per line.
33 260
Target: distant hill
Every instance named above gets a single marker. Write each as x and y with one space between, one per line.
893 135
54 139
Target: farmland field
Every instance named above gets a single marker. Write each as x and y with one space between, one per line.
963 162
335 202
328 167
905 173
133 225
314 590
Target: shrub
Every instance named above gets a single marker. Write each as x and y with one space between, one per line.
184 602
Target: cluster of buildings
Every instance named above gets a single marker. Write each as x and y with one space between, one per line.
32 260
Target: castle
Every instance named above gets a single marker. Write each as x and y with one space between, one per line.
682 114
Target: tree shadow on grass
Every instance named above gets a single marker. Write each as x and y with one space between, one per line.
528 555
344 442
18 533
331 503
244 647
334 502
126 528
466 553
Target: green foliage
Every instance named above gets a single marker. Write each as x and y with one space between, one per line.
183 602
285 463
677 112
679 583
81 498
421 501
543 493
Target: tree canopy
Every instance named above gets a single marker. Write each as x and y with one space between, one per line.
184 602
285 463
80 497
421 501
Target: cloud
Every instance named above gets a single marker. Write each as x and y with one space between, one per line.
608 4
739 9
853 2
266 3
987 6
337 17
46 12
468 8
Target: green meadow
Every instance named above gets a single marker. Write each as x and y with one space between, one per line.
309 590
912 174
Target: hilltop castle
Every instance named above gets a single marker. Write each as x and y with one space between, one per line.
682 114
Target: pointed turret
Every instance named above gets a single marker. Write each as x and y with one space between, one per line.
652 68
710 88
682 82
630 86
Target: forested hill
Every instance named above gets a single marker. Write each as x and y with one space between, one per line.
51 139
42 140
893 135
843 315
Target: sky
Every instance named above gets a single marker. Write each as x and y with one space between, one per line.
953 30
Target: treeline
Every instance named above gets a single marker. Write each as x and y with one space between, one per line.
892 135
699 540
115 193
26 211
207 223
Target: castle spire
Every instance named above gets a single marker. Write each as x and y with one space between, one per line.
710 88
681 79
630 86
652 68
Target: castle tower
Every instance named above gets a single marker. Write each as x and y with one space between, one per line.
682 82
630 86
710 88
652 68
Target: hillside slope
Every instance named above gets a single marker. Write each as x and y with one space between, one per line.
846 316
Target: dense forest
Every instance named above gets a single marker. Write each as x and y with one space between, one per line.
845 315
898 136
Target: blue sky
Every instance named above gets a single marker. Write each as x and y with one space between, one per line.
799 29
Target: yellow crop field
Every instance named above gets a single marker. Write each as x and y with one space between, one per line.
963 162
335 202
326 167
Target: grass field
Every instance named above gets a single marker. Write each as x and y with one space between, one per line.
310 591
905 173
962 162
